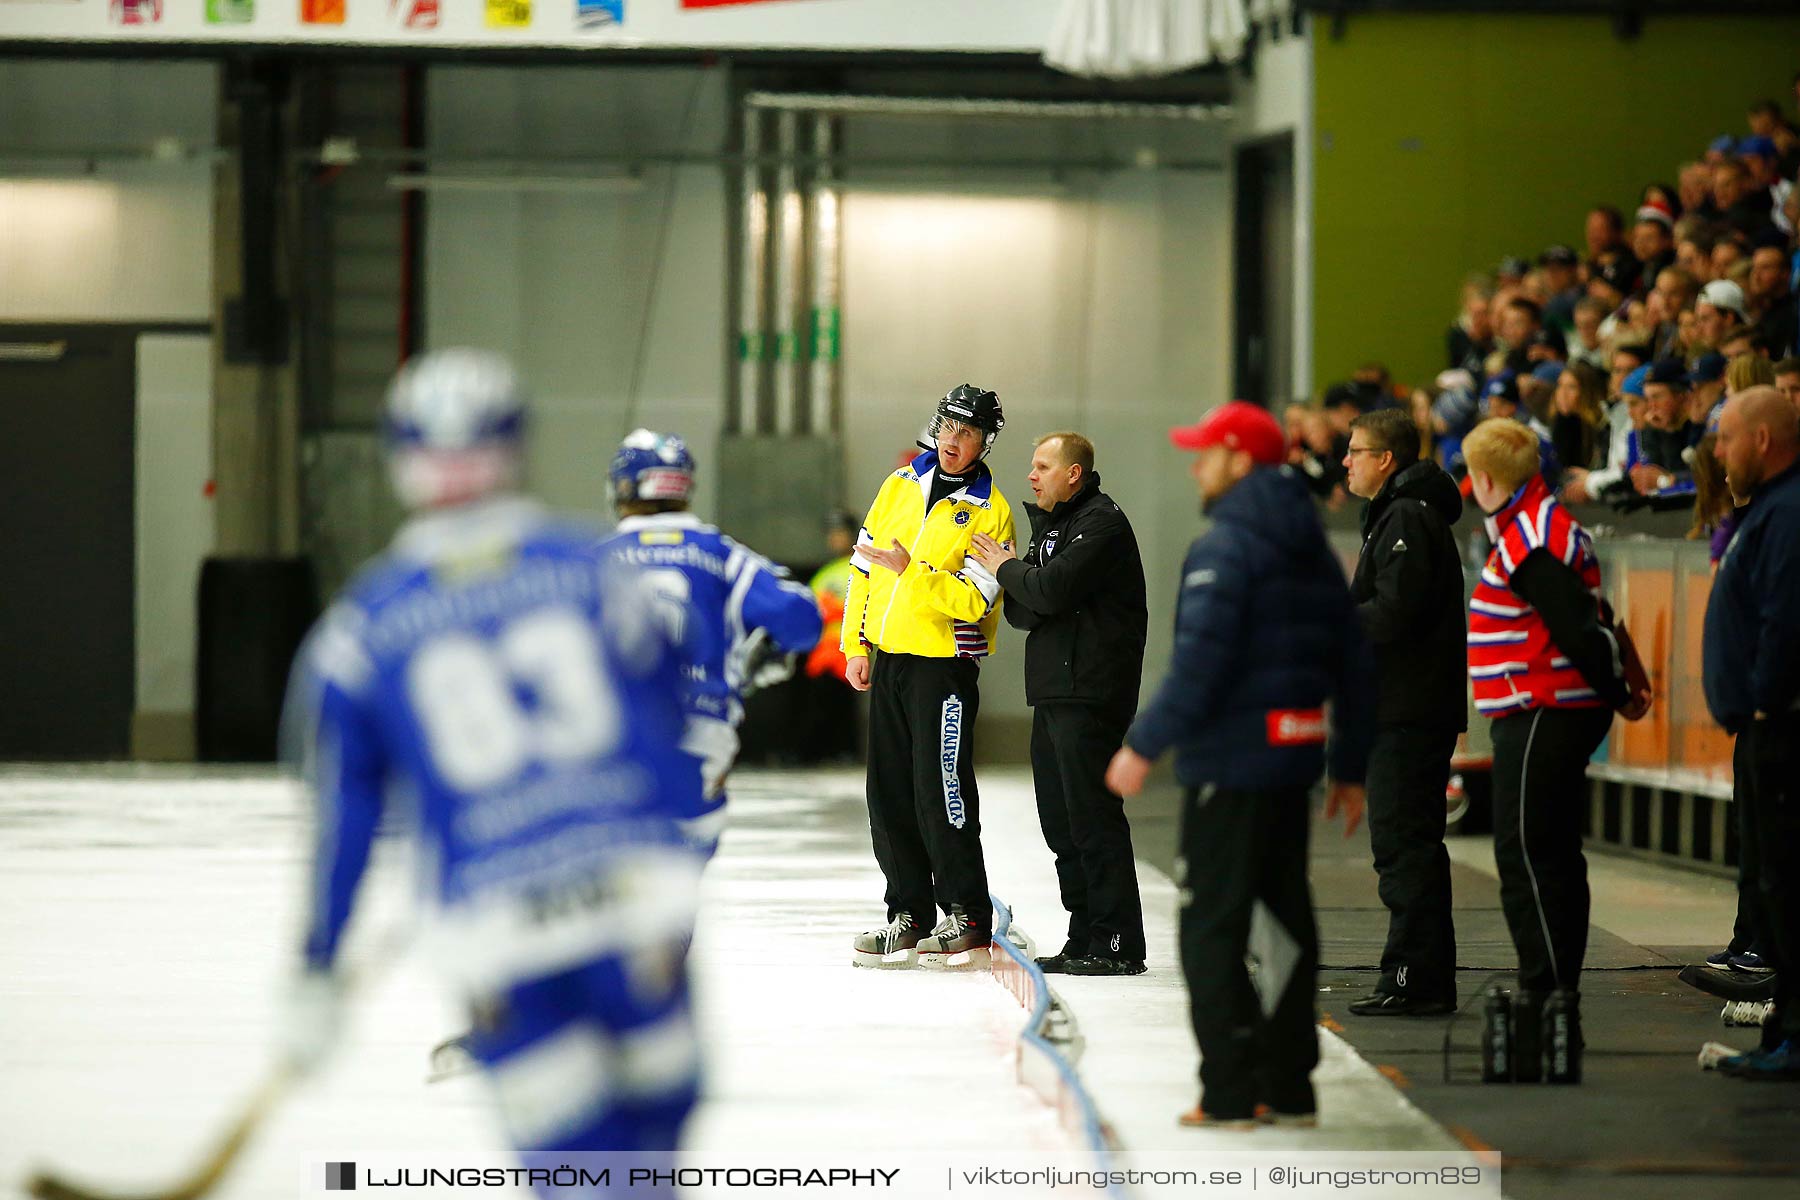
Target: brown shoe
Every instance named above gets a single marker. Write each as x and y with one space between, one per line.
1197 1117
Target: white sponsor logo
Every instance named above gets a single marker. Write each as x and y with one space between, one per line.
949 749
1400 978
1399 545
1200 578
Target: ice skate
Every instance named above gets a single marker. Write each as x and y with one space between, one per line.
892 947
956 945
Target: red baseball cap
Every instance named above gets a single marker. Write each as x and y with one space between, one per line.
1239 425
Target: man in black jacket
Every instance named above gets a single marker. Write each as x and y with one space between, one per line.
1265 636
1409 598
1079 594
1751 673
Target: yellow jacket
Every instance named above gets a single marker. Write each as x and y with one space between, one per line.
942 605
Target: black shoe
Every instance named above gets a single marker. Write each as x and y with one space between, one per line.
1389 1004
1055 964
1104 964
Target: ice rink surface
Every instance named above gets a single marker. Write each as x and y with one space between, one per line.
149 917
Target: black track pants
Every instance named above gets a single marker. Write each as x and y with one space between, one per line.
924 812
1085 827
1540 800
1408 770
1239 848
1767 755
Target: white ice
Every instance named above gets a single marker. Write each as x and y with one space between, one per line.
148 918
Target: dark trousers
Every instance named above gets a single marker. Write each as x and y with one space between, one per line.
1085 827
1409 768
1540 799
1764 763
1746 934
1238 849
924 813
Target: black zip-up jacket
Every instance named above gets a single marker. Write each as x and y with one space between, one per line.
1079 593
1751 653
1409 595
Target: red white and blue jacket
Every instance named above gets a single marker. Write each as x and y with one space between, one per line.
1514 662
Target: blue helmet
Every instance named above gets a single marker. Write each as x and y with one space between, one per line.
651 466
455 423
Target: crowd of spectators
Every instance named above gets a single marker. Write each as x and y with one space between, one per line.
1619 356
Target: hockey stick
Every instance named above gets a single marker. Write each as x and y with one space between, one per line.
275 1086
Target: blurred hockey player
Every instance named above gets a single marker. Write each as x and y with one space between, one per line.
497 671
735 615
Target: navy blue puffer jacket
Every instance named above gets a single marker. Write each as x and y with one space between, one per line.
1265 635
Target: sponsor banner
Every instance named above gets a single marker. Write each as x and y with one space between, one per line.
723 3
414 15
508 14
321 12
230 12
599 14
1296 726
137 12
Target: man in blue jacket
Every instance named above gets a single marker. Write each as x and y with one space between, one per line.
1751 673
1265 635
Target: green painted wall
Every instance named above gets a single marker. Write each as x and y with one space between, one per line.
1444 143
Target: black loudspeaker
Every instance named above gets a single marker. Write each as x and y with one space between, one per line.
254 613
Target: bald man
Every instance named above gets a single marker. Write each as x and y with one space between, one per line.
1752 680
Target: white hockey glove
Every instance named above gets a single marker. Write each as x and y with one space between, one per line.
764 663
311 1021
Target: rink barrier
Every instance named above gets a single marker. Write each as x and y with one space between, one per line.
1042 1063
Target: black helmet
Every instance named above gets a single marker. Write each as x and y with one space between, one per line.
974 406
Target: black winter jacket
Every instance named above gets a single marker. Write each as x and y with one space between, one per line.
1408 590
1265 634
1079 593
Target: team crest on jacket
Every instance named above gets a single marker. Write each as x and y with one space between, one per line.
1049 546
962 516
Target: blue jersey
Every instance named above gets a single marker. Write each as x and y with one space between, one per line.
496 671
713 595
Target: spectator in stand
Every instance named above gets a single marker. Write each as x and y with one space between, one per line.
1720 149
1663 196
1408 589
1511 272
1693 254
1743 343
1501 399
1769 300
1578 427
1580 486
1667 435
1674 293
1694 189
1318 461
1470 339
1762 160
1374 387
1604 232
1718 312
1518 321
1742 205
1751 675
1610 284
1546 345
1584 343
1544 670
1787 379
1653 241
1454 410
1727 252
1706 388
1559 267
1713 521
1536 387
1747 371
1766 120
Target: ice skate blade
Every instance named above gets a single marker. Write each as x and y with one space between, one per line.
899 960
979 959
